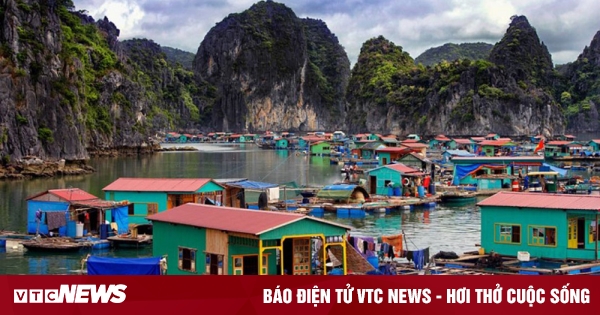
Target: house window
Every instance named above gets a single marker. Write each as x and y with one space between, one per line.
507 233
187 259
214 264
152 208
131 209
542 236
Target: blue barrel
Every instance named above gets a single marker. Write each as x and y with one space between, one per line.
421 191
62 231
390 191
2 243
104 228
374 261
71 228
432 189
397 191
336 272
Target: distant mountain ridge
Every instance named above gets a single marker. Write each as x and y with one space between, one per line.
174 55
451 52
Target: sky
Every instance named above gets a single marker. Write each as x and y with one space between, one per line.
565 26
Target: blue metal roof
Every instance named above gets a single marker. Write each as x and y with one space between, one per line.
248 184
339 187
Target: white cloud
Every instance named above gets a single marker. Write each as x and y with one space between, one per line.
126 15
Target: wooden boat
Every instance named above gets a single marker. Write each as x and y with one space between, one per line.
459 196
130 240
58 245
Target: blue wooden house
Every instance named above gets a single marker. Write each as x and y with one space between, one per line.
59 210
554 226
381 179
153 195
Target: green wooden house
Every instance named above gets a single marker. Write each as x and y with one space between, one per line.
201 239
554 226
320 148
490 172
559 149
153 195
415 160
374 137
380 179
439 141
413 136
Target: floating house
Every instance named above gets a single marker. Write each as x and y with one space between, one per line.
554 226
413 136
489 172
561 149
496 147
368 151
282 143
439 141
388 155
462 144
382 178
390 141
320 148
416 147
415 160
492 136
594 145
201 239
239 192
59 210
449 154
153 195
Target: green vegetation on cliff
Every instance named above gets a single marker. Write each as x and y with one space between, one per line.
174 55
451 52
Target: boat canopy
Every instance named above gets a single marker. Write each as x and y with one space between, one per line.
109 266
342 192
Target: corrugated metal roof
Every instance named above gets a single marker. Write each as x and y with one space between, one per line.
463 141
558 142
414 145
157 184
72 194
253 222
401 168
499 158
541 200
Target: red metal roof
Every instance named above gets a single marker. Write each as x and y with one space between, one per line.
596 141
72 194
558 142
229 219
497 143
414 145
157 184
545 201
477 138
393 149
410 141
402 168
442 138
463 141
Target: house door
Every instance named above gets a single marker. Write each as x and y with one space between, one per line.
572 233
301 260
251 265
372 185
384 161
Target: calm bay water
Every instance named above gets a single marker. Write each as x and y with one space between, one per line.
443 228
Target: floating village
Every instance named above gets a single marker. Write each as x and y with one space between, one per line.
536 217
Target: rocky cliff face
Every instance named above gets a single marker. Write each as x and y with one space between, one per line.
580 93
391 94
69 89
274 71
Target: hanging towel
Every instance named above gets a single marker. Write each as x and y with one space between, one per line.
409 255
55 220
418 259
395 241
426 255
361 246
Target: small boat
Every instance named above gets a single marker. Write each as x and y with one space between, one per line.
129 240
459 197
54 244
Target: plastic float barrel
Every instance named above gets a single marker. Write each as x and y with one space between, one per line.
71 228
104 228
79 230
397 191
2 243
421 191
515 185
432 189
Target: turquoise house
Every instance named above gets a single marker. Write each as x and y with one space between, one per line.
553 226
388 155
381 179
594 145
490 172
154 195
368 150
207 240
282 144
